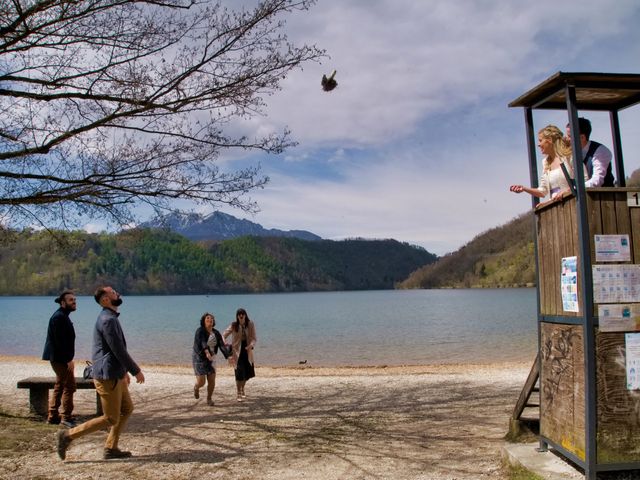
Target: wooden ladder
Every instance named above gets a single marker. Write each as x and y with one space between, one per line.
525 401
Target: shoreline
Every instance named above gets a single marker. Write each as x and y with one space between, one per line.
308 370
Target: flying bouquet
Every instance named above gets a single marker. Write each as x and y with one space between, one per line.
330 83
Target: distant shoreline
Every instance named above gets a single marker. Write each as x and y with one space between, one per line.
304 370
268 292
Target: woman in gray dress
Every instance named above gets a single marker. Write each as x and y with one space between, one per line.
202 357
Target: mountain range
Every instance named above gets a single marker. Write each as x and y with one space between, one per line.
220 226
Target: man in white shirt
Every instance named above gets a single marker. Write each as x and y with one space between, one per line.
596 157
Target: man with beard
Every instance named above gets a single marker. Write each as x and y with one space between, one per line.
59 349
111 362
596 157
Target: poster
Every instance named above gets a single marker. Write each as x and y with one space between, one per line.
612 248
569 284
619 317
616 283
632 361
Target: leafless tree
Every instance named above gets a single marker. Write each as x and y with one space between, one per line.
109 104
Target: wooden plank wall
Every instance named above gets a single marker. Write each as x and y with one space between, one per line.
607 213
562 393
557 238
618 409
562 400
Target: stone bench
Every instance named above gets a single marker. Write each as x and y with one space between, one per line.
39 392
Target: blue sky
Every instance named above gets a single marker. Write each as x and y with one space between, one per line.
417 142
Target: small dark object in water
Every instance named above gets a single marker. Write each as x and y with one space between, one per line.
302 362
330 83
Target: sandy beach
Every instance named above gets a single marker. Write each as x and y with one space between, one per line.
414 422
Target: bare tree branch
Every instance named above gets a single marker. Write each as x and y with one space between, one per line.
109 104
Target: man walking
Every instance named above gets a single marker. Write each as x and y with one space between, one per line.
111 362
59 349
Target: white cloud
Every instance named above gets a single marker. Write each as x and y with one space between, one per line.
401 198
417 142
401 62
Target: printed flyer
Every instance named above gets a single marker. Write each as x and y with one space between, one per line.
619 318
569 284
612 248
616 283
632 347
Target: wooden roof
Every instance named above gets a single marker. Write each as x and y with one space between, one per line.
594 91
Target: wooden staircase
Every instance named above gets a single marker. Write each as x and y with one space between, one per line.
529 401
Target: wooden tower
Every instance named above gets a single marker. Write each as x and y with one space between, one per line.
589 397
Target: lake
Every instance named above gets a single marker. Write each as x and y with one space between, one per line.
391 327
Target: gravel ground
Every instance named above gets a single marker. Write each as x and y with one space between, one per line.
422 422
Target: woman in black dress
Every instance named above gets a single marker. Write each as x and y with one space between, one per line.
243 342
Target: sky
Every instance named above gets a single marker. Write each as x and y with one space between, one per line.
417 142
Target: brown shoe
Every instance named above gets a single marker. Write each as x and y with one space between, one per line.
196 392
62 441
111 453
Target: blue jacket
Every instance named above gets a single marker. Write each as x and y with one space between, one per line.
110 357
59 346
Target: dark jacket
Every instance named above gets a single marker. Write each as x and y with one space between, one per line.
200 344
60 345
110 357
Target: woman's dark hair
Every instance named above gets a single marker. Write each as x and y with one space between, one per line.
236 323
204 315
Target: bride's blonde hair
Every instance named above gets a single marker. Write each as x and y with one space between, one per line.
560 147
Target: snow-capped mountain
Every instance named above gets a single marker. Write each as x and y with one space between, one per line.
220 226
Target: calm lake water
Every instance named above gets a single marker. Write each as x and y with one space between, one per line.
393 327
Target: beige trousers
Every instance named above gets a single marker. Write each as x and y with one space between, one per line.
117 408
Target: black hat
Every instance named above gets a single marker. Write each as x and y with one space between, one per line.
61 296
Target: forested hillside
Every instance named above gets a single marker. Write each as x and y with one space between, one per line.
147 261
500 257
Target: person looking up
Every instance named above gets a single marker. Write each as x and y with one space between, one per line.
111 362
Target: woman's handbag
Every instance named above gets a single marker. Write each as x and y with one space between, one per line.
87 373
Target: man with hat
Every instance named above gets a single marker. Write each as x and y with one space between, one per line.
59 349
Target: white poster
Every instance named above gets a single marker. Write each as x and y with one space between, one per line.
612 248
619 318
632 362
616 283
569 284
